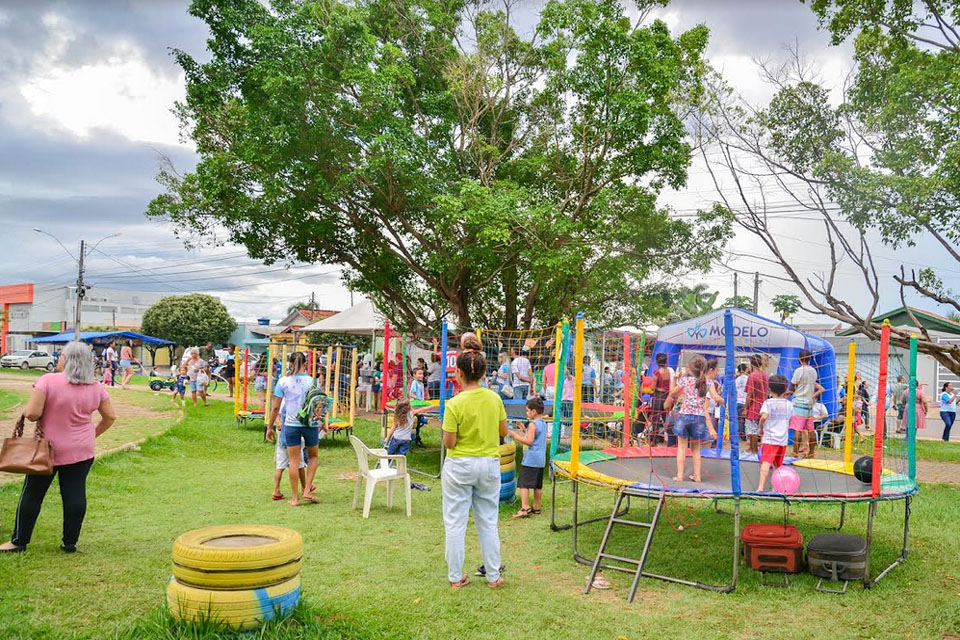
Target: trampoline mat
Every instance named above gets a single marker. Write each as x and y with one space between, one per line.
658 472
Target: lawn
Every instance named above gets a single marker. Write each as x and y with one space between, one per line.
9 398
385 577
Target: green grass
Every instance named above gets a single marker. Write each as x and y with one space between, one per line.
9 398
386 577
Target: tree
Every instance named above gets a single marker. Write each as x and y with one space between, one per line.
880 167
449 163
738 302
300 305
189 320
786 305
693 303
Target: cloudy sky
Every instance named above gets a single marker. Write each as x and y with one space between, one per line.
86 88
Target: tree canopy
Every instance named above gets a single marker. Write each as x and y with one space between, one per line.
449 161
189 320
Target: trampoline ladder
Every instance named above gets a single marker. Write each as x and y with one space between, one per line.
637 565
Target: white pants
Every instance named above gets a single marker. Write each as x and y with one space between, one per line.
471 482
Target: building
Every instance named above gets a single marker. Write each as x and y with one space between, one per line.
33 310
302 317
257 335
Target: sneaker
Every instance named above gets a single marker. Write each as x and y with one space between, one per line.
482 570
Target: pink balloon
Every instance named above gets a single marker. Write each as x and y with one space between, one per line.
785 480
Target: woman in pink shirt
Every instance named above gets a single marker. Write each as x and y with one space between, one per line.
63 403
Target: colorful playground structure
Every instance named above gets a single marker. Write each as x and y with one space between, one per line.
333 367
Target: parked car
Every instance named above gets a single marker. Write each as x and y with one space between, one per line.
28 360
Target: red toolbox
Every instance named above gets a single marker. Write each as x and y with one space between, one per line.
773 548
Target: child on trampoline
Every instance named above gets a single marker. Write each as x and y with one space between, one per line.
530 475
806 390
417 392
757 390
694 424
775 416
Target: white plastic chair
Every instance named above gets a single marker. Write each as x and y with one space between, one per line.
382 472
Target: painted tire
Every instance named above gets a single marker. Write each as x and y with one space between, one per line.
509 476
230 548
233 579
506 467
508 450
156 385
508 490
238 609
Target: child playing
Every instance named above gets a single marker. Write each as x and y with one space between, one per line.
260 382
107 375
775 416
400 434
694 424
806 390
180 386
282 459
534 458
417 392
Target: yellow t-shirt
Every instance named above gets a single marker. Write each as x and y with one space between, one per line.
475 417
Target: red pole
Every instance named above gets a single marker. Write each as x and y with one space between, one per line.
881 409
246 374
384 377
627 379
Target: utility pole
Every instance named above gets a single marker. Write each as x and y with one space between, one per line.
756 290
81 291
736 289
313 301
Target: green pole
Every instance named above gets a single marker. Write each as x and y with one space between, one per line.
912 412
638 379
403 361
558 391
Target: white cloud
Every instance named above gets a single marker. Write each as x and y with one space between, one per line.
121 94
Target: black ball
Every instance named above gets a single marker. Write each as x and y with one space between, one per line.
863 469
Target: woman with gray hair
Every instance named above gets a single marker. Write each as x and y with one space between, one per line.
63 403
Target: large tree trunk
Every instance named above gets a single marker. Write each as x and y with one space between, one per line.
509 280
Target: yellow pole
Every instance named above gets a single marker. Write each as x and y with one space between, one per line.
327 380
283 359
336 384
269 370
236 382
353 387
480 335
848 418
577 398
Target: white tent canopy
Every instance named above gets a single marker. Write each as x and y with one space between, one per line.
749 331
361 319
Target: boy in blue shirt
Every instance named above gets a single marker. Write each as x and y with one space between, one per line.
530 475
417 392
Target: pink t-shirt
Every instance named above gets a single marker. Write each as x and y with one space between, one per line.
66 416
549 375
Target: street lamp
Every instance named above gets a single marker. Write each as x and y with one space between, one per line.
81 289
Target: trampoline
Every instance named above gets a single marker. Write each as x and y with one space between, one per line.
650 471
727 474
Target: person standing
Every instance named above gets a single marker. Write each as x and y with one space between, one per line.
522 370
62 403
589 381
434 377
290 392
126 363
758 388
111 361
806 390
948 408
898 400
741 385
473 423
196 370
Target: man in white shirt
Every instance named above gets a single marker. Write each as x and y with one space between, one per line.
523 382
110 356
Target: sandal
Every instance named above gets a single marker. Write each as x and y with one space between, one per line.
460 584
535 512
496 584
523 513
277 496
600 583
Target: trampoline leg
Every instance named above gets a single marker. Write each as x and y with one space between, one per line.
843 513
867 582
871 513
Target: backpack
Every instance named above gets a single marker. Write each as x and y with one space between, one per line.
314 408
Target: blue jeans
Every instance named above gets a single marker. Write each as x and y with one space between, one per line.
472 482
948 417
398 447
520 391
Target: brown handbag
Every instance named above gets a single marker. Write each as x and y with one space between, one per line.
30 456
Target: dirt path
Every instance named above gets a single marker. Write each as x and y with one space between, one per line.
134 423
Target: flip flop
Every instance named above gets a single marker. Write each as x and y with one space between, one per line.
277 496
600 583
311 499
460 584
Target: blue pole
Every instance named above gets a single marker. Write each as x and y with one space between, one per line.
730 400
443 365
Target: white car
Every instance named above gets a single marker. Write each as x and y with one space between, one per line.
28 360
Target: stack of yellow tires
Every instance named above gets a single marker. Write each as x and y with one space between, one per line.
236 575
508 471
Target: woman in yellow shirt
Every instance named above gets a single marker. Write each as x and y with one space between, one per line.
473 423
